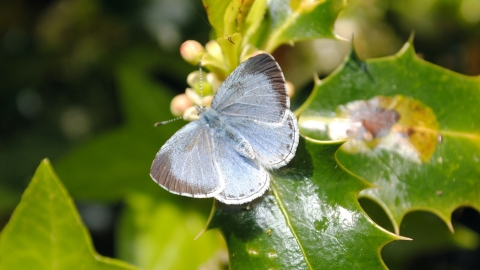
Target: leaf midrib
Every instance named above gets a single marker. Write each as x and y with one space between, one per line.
287 23
289 224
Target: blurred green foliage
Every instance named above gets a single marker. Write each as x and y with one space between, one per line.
59 85
66 64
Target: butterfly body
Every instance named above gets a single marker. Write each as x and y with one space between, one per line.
226 153
220 128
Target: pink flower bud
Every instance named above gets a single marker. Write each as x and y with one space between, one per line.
191 51
179 104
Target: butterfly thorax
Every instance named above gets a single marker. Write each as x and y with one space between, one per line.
223 131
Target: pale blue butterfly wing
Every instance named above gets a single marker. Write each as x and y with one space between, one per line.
254 91
185 164
245 178
254 102
274 144
248 130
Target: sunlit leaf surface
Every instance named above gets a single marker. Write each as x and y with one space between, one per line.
287 21
296 20
310 219
45 231
415 131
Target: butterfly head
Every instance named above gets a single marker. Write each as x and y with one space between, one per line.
200 109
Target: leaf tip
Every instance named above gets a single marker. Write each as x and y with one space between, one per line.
316 79
403 238
407 49
209 225
447 221
200 233
45 164
340 38
46 161
411 37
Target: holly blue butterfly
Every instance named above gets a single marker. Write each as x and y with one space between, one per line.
227 153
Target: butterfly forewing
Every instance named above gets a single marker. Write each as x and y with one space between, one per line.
254 91
185 164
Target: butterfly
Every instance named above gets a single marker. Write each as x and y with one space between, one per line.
228 152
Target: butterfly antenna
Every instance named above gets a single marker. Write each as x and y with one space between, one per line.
201 80
168 121
211 27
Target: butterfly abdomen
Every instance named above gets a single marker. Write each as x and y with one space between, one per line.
222 130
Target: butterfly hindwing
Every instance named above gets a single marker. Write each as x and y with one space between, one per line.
245 179
274 144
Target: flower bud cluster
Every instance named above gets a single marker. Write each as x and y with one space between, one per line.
202 85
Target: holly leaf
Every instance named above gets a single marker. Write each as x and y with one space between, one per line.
297 20
310 219
45 231
235 16
216 12
414 129
288 21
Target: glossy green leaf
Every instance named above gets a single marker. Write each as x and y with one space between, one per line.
45 231
419 129
288 21
254 20
117 162
297 20
216 12
158 235
236 16
310 219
